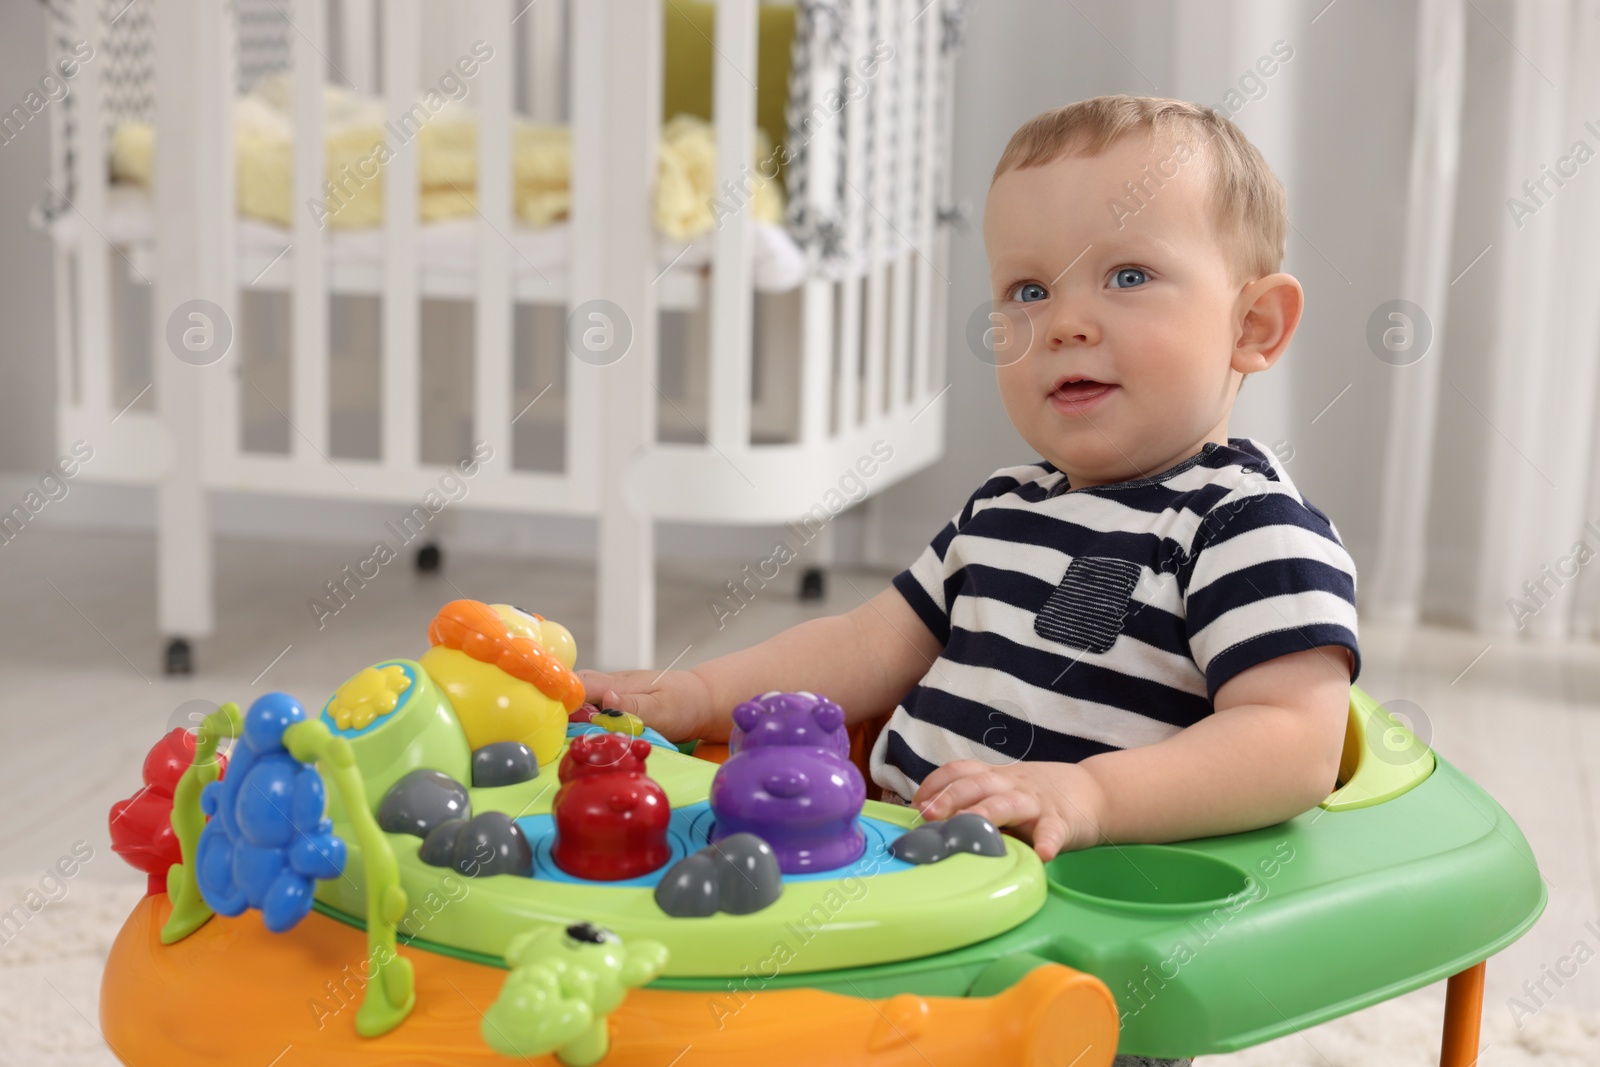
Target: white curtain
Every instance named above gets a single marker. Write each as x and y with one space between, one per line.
1510 542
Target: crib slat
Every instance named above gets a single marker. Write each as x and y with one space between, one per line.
876 313
309 403
93 257
881 98
358 27
734 109
854 116
544 26
217 217
492 327
940 149
586 82
819 342
816 363
923 232
66 300
401 318
66 343
901 72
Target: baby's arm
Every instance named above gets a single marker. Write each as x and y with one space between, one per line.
1268 752
865 660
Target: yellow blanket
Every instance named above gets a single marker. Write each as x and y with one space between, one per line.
687 202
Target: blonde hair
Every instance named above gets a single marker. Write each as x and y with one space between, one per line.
1249 206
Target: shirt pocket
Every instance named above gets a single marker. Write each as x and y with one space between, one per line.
1087 609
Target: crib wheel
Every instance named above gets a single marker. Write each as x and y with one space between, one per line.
179 658
812 586
429 559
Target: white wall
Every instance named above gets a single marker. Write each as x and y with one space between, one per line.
27 331
1343 156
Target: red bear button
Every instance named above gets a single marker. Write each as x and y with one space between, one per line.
611 818
141 826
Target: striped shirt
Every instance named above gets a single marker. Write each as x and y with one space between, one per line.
1085 621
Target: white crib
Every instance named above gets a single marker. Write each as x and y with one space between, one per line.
851 356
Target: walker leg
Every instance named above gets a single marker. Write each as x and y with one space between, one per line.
1463 1013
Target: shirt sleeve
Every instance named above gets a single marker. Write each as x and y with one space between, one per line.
931 583
1268 576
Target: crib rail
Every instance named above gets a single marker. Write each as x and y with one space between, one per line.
857 350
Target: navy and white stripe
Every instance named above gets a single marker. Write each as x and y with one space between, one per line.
1085 621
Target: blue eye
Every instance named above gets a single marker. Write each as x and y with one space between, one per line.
1128 277
1030 292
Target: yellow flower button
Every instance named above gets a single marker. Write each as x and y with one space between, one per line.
371 694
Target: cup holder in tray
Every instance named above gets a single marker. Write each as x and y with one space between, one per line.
1150 878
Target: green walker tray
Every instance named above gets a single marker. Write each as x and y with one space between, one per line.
1407 874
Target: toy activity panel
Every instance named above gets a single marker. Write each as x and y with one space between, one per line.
609 818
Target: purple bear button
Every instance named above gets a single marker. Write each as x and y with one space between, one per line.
791 783
789 719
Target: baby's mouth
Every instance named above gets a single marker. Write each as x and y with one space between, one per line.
1080 390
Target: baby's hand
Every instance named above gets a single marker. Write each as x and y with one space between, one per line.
674 702
1055 805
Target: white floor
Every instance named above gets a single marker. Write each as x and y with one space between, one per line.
83 698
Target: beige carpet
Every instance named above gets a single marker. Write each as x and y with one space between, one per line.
1404 1032
50 979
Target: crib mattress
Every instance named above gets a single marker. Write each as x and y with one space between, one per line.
777 262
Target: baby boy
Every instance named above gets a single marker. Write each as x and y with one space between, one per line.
1148 635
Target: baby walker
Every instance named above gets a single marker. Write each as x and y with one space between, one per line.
457 860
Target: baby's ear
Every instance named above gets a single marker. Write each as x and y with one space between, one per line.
747 715
829 716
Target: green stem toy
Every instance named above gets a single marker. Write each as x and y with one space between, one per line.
189 909
390 994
